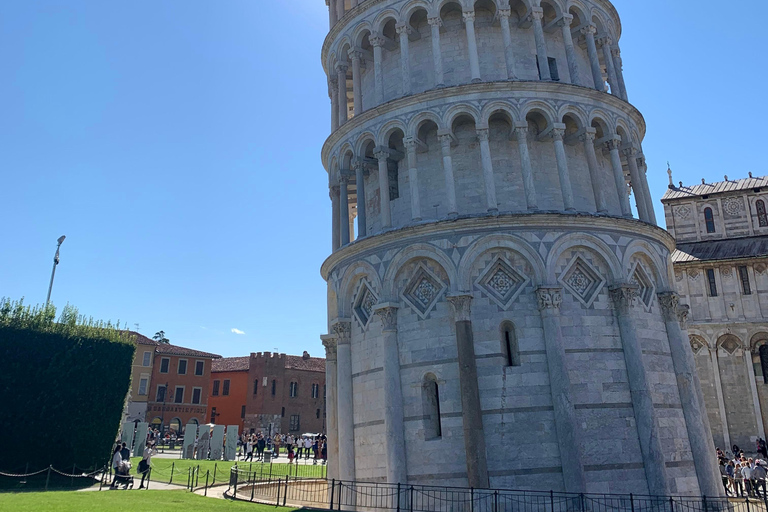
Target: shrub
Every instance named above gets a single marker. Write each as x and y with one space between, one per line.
63 384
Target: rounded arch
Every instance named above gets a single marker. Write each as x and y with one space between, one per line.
538 107
498 107
580 13
757 340
439 5
360 32
362 142
602 122
698 342
412 252
419 119
349 282
383 18
342 49
409 9
552 10
643 250
500 241
509 344
576 112
729 342
457 111
575 240
386 131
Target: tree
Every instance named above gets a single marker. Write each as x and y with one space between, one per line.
160 338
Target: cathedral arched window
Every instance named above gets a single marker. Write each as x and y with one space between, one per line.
763 351
709 219
762 216
509 344
431 403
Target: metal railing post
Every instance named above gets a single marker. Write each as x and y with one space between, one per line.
410 500
215 466
495 501
631 502
704 501
277 503
581 499
253 486
333 488
173 466
237 475
48 477
103 475
747 500
552 500
671 504
471 499
205 493
285 494
398 496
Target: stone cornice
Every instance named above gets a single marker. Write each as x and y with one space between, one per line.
530 86
476 224
365 5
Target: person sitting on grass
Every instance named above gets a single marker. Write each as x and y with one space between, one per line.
143 469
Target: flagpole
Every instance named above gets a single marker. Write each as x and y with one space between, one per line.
53 272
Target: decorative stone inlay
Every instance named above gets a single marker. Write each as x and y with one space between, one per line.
760 268
696 344
726 272
683 212
363 305
729 345
693 274
502 283
678 276
549 298
645 287
582 280
733 206
423 291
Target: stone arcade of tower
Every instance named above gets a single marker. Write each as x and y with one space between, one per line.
497 317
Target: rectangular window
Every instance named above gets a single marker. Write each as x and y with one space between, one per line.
744 275
165 363
182 366
552 64
282 412
216 384
160 396
317 414
179 398
295 424
294 389
225 388
199 367
242 412
274 387
147 358
255 387
315 390
712 283
143 383
196 392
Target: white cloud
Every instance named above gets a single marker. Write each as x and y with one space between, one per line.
237 331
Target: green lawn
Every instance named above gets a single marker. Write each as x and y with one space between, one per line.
120 501
162 468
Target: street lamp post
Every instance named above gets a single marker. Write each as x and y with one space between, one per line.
53 272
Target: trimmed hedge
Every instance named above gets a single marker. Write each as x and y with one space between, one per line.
63 384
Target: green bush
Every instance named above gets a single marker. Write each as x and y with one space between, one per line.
63 384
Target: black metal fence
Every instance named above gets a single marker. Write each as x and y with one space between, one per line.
345 495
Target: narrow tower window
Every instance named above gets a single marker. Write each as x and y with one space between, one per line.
744 276
762 216
709 219
431 403
763 350
712 282
509 344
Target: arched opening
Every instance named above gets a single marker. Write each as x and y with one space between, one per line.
542 150
509 346
510 192
456 45
601 34
488 35
557 66
429 161
363 44
466 158
709 220
346 84
175 426
397 156
422 76
431 404
762 216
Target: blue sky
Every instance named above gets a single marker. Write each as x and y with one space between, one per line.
177 146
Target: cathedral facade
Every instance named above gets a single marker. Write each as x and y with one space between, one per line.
497 317
720 272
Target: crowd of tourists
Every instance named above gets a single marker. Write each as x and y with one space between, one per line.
295 447
744 476
121 464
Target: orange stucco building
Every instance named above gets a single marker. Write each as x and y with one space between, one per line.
228 391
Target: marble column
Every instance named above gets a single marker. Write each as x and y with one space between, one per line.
394 423
357 87
332 12
341 78
333 91
562 167
381 155
549 299
450 185
506 36
362 226
488 178
339 9
594 60
613 146
646 420
474 60
750 369
605 43
335 234
636 182
594 171
331 405
719 392
694 410
471 413
618 65
378 76
570 52
344 207
437 54
405 59
644 182
342 329
413 178
521 132
537 13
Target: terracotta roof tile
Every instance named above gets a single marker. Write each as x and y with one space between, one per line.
175 350
312 364
140 338
231 364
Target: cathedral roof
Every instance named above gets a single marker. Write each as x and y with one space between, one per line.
712 250
719 187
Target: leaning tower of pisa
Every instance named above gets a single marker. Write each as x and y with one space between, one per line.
498 315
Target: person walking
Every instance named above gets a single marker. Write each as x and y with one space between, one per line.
307 447
144 463
746 471
249 449
758 479
724 477
738 480
260 444
117 459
